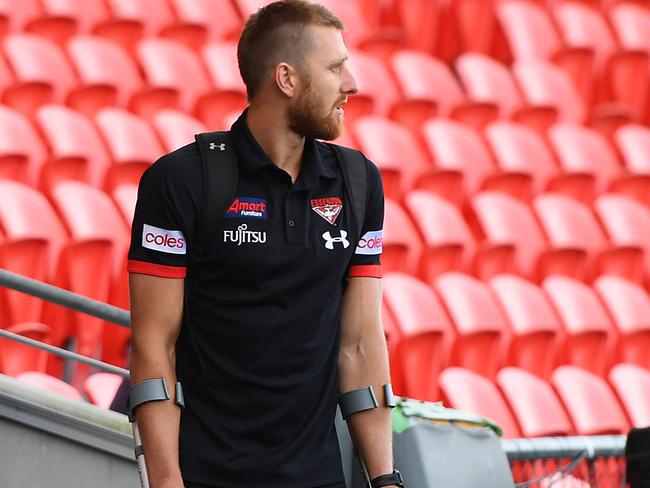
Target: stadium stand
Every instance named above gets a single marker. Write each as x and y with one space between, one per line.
629 306
587 338
466 390
533 324
590 403
426 333
632 384
479 323
536 407
513 142
16 358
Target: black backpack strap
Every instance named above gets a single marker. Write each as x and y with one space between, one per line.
355 181
219 182
219 164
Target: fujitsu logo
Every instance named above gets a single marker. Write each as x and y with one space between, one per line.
243 236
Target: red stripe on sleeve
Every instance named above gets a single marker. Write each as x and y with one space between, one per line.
163 271
367 270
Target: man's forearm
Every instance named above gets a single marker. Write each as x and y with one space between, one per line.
371 431
158 421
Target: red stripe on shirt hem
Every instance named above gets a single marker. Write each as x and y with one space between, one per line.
367 271
161 270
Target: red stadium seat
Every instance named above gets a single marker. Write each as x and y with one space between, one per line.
448 241
403 164
416 74
93 220
43 73
31 240
534 325
465 390
101 388
531 36
220 59
15 15
536 406
16 358
584 151
125 197
631 23
633 142
171 66
627 223
362 29
591 404
518 149
571 225
108 74
479 323
425 333
632 385
377 90
196 25
130 21
77 150
503 220
175 128
623 74
629 306
456 147
132 144
22 152
587 327
544 84
50 383
402 246
61 19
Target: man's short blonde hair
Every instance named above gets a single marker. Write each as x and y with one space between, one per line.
276 33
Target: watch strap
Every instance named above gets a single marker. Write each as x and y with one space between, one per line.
394 478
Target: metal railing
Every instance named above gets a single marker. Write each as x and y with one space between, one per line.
67 299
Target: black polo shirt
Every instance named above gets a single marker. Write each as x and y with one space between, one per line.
265 314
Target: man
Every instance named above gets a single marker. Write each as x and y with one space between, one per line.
286 311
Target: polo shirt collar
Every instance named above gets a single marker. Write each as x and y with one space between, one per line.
251 157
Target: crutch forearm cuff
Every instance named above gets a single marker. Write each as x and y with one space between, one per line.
151 391
362 399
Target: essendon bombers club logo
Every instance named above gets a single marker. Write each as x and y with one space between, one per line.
247 207
328 208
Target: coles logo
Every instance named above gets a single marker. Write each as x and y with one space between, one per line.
163 240
247 207
370 243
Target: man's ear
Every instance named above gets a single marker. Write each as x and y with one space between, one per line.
286 78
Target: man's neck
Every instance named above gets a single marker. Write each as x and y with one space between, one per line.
283 146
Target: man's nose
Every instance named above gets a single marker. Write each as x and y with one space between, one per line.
349 85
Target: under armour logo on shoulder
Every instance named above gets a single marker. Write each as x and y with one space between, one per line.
214 145
329 240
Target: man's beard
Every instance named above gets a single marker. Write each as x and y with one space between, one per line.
306 119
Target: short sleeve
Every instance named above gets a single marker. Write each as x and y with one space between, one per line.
165 215
366 260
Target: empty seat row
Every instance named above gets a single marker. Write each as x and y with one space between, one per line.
508 321
498 233
573 401
454 160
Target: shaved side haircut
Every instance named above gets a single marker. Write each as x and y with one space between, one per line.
277 33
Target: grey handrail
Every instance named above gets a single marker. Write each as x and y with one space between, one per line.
66 298
64 353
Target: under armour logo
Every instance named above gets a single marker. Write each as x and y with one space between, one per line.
329 240
214 145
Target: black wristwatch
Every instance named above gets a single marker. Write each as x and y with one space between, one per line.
395 478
